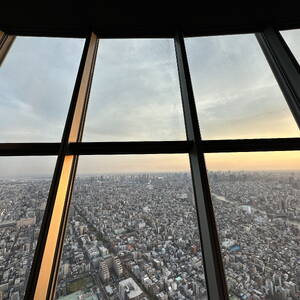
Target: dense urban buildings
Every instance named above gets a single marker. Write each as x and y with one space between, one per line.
22 206
134 226
135 236
258 219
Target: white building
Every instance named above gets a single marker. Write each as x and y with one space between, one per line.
128 289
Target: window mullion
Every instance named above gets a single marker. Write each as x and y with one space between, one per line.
5 43
215 278
284 67
46 260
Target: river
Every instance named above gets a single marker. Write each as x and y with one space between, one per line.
222 198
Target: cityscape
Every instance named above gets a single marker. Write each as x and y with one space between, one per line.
135 236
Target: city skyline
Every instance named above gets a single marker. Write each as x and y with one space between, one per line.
150 163
141 230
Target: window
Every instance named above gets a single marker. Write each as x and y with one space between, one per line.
135 85
133 218
143 221
255 198
253 108
36 82
24 187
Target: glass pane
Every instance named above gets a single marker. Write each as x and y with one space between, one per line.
132 231
235 91
24 186
292 38
36 83
135 93
256 203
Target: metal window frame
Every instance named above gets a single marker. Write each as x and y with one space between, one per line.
5 44
45 264
284 66
286 71
213 265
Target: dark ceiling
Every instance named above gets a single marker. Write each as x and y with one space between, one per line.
110 19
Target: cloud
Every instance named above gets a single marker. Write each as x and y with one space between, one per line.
135 94
236 93
36 84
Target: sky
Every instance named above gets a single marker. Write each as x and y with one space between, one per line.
135 96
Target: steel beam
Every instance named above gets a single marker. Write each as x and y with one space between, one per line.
284 67
155 147
213 265
130 148
45 265
5 44
250 145
29 149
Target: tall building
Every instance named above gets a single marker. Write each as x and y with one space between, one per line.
104 271
117 266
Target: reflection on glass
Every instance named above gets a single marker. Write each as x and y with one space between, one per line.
258 217
132 235
236 93
36 83
24 190
292 38
135 93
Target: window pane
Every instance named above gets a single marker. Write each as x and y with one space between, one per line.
256 203
236 93
132 226
135 93
36 83
24 186
292 38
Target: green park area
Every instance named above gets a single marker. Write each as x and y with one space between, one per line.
80 284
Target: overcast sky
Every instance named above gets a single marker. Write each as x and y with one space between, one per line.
135 96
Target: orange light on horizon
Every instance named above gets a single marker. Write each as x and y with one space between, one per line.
148 163
254 161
